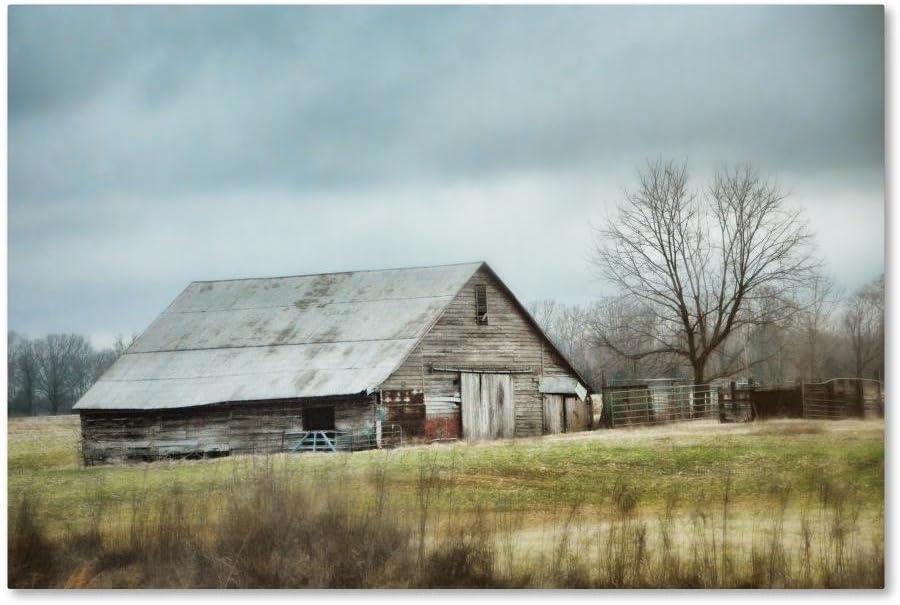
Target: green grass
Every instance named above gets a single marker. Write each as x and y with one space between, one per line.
774 504
532 475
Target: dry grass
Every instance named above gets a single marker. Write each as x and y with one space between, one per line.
769 505
788 429
275 531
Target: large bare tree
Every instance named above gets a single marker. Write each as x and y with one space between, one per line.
704 261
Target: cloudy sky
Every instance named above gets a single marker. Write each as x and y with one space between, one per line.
149 147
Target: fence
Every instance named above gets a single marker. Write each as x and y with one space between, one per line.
843 398
775 401
735 405
387 435
832 399
654 403
648 404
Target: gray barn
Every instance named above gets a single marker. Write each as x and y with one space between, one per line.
234 366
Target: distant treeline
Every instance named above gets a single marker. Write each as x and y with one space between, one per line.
48 375
828 335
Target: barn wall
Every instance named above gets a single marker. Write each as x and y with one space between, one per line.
237 428
457 340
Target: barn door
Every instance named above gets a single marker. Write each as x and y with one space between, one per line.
487 406
577 418
553 414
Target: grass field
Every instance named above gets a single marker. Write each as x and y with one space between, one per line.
780 503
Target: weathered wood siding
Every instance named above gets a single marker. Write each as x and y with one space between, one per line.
252 427
457 340
577 415
553 413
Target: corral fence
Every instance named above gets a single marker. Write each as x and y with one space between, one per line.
837 398
843 398
651 404
762 402
643 404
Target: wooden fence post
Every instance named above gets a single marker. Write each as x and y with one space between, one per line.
860 399
607 403
721 397
802 398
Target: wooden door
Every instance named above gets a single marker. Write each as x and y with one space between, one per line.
577 417
553 414
488 411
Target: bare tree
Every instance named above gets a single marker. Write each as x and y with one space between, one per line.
568 326
123 343
700 260
820 302
631 331
864 323
63 362
544 312
23 373
12 339
55 371
757 350
103 359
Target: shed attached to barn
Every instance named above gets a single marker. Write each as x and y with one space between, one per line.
237 366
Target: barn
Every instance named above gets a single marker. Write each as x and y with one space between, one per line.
252 365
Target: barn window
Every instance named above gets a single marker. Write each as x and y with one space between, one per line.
481 304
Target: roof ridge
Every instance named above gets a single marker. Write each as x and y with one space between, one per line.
215 281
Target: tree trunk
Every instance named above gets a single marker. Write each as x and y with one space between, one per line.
53 399
699 374
29 401
701 393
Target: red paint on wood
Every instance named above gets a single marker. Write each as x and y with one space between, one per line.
443 427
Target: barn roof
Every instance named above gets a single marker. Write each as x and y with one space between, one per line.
276 338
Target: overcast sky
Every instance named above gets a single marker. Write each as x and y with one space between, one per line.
149 147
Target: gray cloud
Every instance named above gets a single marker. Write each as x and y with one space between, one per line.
140 137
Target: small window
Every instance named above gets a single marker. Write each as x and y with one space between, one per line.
481 304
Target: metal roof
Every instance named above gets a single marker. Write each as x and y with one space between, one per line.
274 338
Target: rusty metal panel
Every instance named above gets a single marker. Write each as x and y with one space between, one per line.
565 385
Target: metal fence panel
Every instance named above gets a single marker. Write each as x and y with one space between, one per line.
659 404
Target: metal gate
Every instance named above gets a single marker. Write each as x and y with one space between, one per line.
634 405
